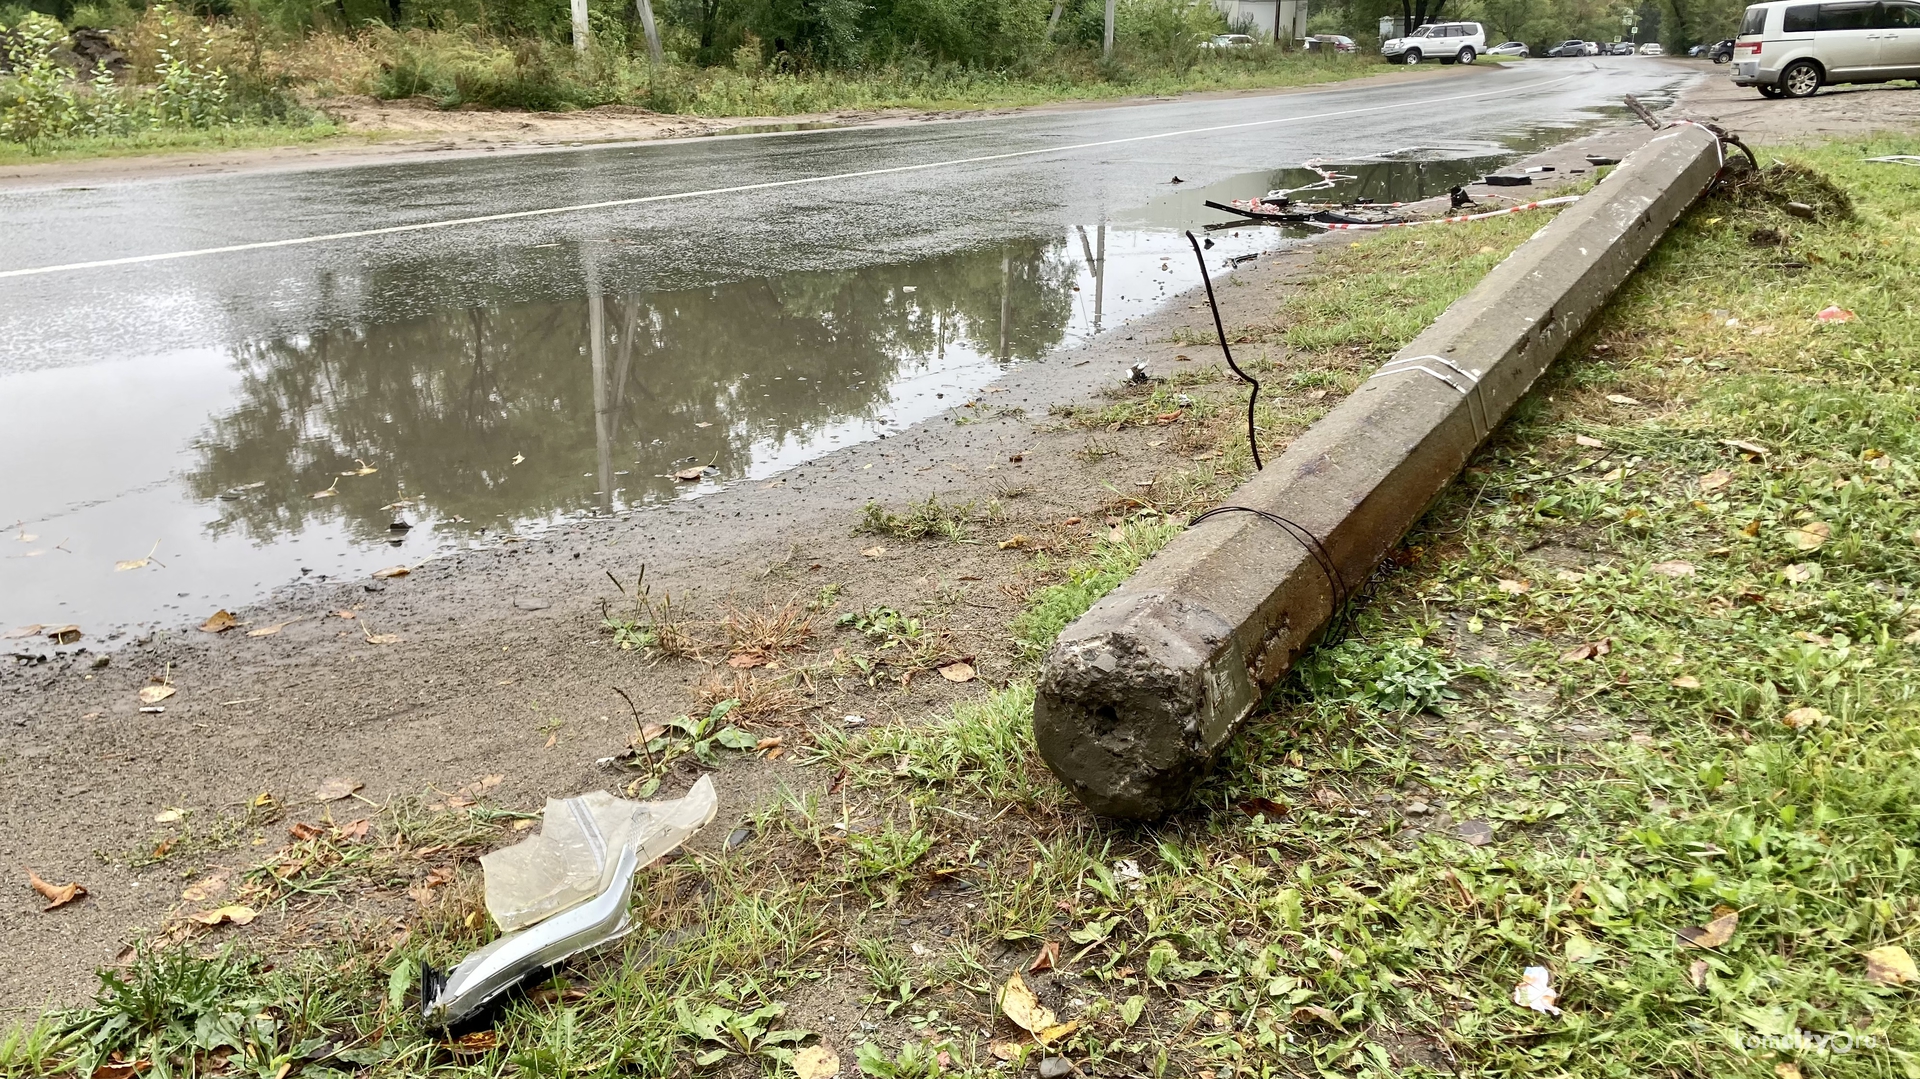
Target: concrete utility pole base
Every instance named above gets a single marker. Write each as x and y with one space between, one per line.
1139 695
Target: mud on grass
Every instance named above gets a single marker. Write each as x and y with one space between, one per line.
1617 693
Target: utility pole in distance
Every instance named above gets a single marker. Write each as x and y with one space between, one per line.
1106 50
653 32
580 26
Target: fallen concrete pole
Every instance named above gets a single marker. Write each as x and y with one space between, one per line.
1138 696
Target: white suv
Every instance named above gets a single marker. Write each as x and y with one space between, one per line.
1792 49
1447 42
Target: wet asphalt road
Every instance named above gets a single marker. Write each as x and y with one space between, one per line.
132 395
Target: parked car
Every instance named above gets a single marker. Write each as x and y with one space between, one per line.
1592 47
1721 51
1571 47
1228 41
1793 49
1332 42
1447 42
1510 48
1652 48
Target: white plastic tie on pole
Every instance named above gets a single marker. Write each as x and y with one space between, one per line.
1463 381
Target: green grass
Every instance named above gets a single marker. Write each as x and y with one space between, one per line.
1111 560
1747 744
170 141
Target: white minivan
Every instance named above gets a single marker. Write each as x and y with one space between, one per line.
1789 49
1447 42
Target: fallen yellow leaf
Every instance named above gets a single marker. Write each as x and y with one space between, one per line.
1715 933
155 694
232 912
957 672
219 621
1811 536
1018 1003
1891 965
391 571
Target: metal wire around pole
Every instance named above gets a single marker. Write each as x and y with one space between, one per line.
1221 329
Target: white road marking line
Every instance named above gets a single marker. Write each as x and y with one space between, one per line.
514 215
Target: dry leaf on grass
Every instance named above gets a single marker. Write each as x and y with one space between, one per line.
1048 958
1258 807
1811 536
268 631
1673 568
155 694
1835 313
1798 573
1512 587
1015 542
1715 480
874 552
1891 965
1686 681
474 1042
1803 717
747 661
1621 399
1536 991
335 789
815 1062
1752 448
1591 650
56 895
1315 1011
236 913
391 572
1019 1004
1588 442
168 816
219 621
1697 973
1714 934
957 672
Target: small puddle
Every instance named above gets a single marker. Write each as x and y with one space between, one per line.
330 454
772 129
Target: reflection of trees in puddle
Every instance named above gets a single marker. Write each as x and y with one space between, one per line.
442 404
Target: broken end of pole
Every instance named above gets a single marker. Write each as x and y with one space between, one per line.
1136 699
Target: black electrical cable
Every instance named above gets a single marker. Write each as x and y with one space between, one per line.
1220 328
1302 535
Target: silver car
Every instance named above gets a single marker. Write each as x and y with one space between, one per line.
1789 49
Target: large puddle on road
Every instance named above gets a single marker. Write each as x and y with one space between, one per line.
336 453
